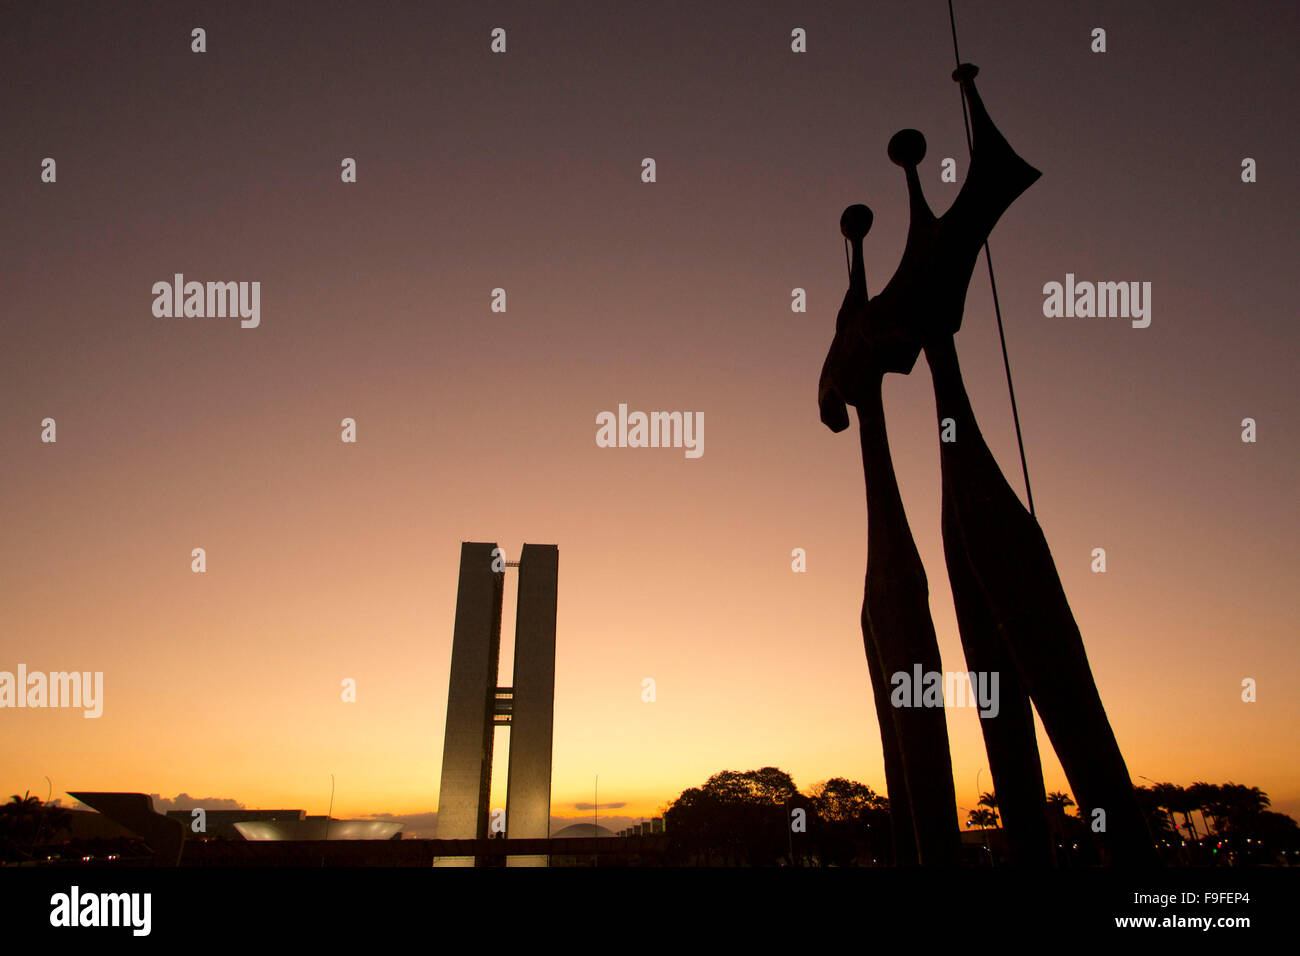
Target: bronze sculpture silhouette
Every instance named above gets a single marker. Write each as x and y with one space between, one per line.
896 627
1012 613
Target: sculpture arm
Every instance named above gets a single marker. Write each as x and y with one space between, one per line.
996 179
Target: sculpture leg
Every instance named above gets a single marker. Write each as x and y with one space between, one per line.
1009 737
897 612
1010 559
902 826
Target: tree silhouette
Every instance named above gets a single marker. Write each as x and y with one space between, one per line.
24 820
1058 799
982 818
1209 801
736 818
1167 798
851 824
1237 828
745 819
839 800
748 819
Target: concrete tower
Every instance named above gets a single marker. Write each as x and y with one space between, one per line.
476 704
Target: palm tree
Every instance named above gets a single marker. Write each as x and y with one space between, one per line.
20 823
1058 799
1167 799
1244 805
1248 800
1157 819
21 812
982 818
1209 800
1184 803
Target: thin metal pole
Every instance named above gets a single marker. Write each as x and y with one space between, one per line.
40 822
997 309
328 814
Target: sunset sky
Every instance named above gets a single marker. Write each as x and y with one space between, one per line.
522 170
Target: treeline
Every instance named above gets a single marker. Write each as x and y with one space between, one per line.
1236 825
760 818
752 819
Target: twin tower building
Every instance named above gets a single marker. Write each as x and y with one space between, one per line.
477 704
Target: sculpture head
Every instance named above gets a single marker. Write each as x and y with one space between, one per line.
871 336
907 148
855 222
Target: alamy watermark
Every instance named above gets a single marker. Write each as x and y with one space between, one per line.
211 300
83 689
653 430
1126 300
956 688
75 908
